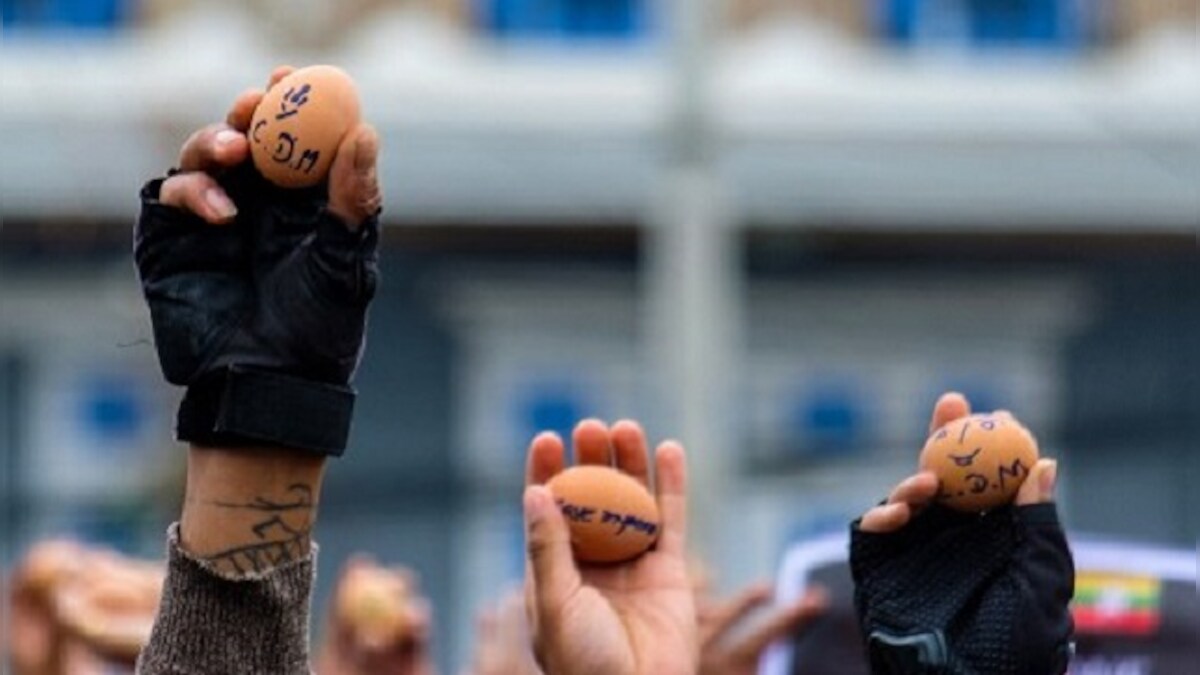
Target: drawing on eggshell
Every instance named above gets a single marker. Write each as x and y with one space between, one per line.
578 514
628 521
979 483
284 148
292 101
309 156
965 460
1015 470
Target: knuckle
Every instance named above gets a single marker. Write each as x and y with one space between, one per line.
537 547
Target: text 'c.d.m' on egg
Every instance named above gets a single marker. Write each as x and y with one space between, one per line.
299 124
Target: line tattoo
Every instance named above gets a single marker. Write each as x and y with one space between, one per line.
276 541
302 495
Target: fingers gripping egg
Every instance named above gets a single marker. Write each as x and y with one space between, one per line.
299 124
612 517
980 460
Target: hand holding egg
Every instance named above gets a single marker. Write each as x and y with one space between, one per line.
373 602
980 460
990 459
300 123
605 550
612 517
318 136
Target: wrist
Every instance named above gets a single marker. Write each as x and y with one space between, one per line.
247 407
249 511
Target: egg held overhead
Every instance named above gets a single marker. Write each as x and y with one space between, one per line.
300 123
980 460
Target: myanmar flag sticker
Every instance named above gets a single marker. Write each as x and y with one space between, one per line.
1113 604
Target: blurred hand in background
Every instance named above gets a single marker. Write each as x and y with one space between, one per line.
502 645
379 624
77 610
731 642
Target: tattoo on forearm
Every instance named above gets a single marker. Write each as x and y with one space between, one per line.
276 541
301 494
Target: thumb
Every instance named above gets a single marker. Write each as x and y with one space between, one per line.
354 193
548 548
1039 485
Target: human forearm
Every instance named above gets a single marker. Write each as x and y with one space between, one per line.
241 562
247 511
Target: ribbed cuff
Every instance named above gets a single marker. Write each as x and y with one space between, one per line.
208 623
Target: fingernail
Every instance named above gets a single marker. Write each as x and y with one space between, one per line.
227 137
220 203
1048 478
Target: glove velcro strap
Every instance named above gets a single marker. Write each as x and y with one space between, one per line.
239 407
918 654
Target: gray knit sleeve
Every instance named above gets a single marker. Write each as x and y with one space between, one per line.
208 623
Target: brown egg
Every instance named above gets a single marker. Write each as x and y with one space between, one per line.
612 517
980 460
374 603
299 124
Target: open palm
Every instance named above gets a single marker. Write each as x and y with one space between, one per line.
630 619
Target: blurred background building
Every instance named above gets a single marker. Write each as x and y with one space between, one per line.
775 228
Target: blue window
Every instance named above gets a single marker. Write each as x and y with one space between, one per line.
829 420
58 14
111 412
985 23
606 19
549 406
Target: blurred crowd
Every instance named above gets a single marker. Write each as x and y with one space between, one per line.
83 610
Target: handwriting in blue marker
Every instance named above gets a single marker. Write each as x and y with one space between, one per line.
627 521
293 99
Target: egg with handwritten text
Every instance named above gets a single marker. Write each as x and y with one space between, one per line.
299 124
980 460
612 516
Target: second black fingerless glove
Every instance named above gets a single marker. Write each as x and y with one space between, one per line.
966 594
263 320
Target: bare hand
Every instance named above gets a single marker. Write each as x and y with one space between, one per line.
502 646
354 193
636 618
74 607
378 624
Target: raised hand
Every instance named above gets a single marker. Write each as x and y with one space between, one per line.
255 290
939 589
379 624
635 618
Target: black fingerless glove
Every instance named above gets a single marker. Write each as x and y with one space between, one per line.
966 594
263 320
